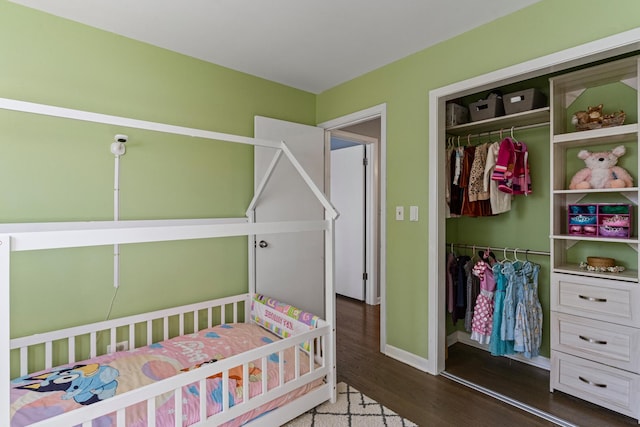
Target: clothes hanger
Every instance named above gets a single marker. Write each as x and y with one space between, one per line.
488 256
474 256
504 254
515 255
512 135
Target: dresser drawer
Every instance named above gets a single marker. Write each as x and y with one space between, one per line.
600 299
609 387
603 342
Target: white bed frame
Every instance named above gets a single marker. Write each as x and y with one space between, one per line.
36 236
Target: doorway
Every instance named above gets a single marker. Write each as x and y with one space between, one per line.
352 192
369 127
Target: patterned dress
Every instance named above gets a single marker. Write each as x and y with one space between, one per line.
528 324
482 323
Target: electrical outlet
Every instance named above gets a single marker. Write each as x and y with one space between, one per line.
120 346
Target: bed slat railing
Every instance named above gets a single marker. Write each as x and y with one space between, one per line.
75 339
121 417
147 394
177 404
93 343
71 349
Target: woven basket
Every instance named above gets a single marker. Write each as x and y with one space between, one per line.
595 261
615 119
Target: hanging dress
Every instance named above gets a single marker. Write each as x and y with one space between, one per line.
482 322
528 325
473 287
450 280
507 325
498 346
535 313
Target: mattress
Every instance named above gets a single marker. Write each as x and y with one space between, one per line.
46 394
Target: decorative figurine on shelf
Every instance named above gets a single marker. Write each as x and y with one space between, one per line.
601 171
592 115
594 118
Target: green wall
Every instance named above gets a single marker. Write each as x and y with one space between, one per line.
60 170
541 29
56 170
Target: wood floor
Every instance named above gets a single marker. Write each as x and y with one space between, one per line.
431 400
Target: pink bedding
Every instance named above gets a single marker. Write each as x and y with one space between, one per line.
46 394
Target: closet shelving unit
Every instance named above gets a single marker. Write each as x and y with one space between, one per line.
595 317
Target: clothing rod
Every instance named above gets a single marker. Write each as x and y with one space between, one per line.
497 249
505 131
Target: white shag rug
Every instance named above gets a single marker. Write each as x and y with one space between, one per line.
352 408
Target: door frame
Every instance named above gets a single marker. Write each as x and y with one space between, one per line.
375 112
604 48
370 239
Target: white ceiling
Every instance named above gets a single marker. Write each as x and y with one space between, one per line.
311 45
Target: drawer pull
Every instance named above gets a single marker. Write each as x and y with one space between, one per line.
592 298
592 383
591 340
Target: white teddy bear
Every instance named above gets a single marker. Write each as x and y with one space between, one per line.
601 171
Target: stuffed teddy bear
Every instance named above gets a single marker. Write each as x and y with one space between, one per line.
601 171
592 115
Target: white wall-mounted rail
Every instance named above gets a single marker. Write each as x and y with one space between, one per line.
68 113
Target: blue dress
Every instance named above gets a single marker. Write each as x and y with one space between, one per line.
528 325
497 345
510 301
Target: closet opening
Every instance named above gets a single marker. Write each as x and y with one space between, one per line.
518 236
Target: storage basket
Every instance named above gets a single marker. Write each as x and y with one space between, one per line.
456 114
595 261
524 100
600 219
486 109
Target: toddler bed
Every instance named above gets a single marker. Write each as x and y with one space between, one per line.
227 374
240 360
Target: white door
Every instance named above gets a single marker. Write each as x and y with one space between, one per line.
290 266
348 196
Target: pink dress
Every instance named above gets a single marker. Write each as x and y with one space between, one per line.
482 323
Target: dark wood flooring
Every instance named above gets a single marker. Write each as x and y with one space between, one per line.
431 400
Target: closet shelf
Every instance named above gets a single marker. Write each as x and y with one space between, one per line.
598 191
632 241
526 118
626 276
609 135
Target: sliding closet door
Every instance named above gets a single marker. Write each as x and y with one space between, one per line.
290 266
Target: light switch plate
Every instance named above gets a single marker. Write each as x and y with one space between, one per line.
399 213
413 213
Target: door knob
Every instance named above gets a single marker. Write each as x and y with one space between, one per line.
263 244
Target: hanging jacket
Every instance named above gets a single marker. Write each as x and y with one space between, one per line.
512 168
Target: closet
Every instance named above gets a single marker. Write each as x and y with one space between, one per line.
591 315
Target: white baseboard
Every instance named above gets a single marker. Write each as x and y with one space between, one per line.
406 357
465 338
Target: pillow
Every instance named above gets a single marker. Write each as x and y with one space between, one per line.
282 319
